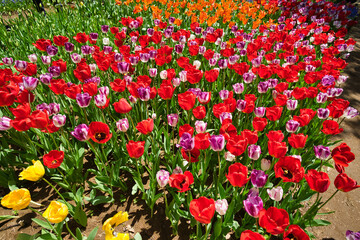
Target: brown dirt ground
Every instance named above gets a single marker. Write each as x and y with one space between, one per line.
346 205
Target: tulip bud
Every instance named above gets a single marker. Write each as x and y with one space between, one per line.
173 119
292 126
221 206
162 177
254 151
81 132
253 205
123 124
5 123
83 100
46 60
323 113
238 88
30 83
259 111
200 126
265 164
59 120
32 58
276 194
8 61
177 170
291 104
144 57
217 142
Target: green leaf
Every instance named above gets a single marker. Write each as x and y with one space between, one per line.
101 199
6 217
78 234
24 236
47 236
217 228
42 223
318 223
137 237
80 215
92 234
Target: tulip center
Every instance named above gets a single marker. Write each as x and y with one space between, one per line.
287 173
100 136
292 237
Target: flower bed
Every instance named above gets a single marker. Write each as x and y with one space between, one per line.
229 126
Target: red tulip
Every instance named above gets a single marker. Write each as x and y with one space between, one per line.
99 132
289 169
237 175
274 220
181 181
250 235
135 149
342 155
53 159
344 183
145 126
318 181
122 106
295 232
202 209
297 140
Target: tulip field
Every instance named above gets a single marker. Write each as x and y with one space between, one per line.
218 116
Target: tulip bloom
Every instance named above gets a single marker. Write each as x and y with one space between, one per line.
221 206
113 222
275 194
237 175
145 126
33 173
162 177
250 235
81 132
253 205
274 220
342 155
99 132
53 159
318 181
181 181
56 212
202 209
289 169
17 199
344 183
135 149
295 232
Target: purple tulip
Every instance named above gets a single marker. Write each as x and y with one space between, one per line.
134 24
240 104
86 50
152 72
153 54
54 108
69 47
341 79
254 151
238 88
52 50
263 87
162 177
248 77
21 65
104 90
265 164
81 132
187 142
322 152
225 115
258 178
30 83
134 60
46 78
253 205
123 67
223 63
217 142
118 57
8 61
144 93
100 100
76 58
179 48
291 104
350 235
272 82
32 58
144 57
256 62
173 119
292 126
83 100
323 113
212 62
123 124
260 111
59 120
94 36
104 28
46 60
321 97
107 49
350 112
202 50
233 59
327 80
54 70
5 123
224 94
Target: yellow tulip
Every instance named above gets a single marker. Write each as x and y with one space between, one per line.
56 212
111 223
34 172
17 199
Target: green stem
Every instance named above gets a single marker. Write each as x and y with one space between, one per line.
52 227
61 196
71 233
